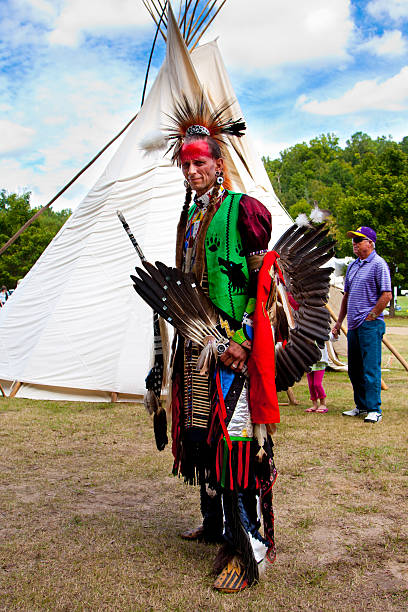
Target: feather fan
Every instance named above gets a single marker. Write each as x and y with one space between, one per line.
303 250
177 297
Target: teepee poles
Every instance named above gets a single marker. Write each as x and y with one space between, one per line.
200 20
147 5
202 32
188 29
151 53
182 24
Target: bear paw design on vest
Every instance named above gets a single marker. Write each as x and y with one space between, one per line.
239 250
234 272
213 243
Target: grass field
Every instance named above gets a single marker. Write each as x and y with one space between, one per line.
90 515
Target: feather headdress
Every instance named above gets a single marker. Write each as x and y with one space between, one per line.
195 119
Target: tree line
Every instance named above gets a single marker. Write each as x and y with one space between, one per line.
15 210
363 183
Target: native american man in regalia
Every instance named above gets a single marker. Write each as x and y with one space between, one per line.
222 237
237 313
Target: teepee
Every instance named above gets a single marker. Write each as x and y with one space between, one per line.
75 329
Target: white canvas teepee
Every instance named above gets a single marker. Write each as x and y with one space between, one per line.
75 328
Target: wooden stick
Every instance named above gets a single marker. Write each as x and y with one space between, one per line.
395 352
162 7
194 28
154 19
191 19
114 397
38 213
15 388
151 55
184 18
196 31
2 391
207 26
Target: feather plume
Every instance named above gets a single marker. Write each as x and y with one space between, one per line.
316 215
153 141
187 114
302 220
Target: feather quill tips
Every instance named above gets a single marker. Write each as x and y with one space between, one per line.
208 356
153 407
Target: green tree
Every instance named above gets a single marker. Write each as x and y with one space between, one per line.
379 199
15 210
364 183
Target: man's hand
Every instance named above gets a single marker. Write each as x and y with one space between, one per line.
335 329
235 356
371 316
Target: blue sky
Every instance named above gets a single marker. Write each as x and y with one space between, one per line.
72 72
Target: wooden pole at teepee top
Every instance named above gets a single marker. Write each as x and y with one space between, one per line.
161 11
188 29
195 26
184 18
154 19
207 26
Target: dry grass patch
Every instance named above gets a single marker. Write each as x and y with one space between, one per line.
90 514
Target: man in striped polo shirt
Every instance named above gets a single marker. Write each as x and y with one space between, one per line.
367 291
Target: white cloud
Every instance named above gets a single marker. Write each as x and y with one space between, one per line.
282 32
390 43
42 6
78 16
394 9
14 137
267 147
390 95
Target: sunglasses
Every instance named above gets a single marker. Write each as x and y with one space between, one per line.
359 239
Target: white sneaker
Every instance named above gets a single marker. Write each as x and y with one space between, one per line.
373 417
354 412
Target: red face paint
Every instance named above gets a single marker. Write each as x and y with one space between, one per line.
194 149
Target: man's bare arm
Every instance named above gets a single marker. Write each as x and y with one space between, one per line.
342 314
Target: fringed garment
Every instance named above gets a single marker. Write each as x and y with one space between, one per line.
212 432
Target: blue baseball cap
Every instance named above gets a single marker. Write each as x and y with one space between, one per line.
363 232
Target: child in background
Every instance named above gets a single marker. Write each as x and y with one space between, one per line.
315 379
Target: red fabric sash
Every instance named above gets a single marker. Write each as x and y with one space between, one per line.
263 399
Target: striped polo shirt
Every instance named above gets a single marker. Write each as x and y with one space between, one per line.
365 281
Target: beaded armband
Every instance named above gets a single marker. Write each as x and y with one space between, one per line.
254 260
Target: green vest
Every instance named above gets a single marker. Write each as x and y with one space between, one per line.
226 264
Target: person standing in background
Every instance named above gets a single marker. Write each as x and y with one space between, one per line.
367 291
